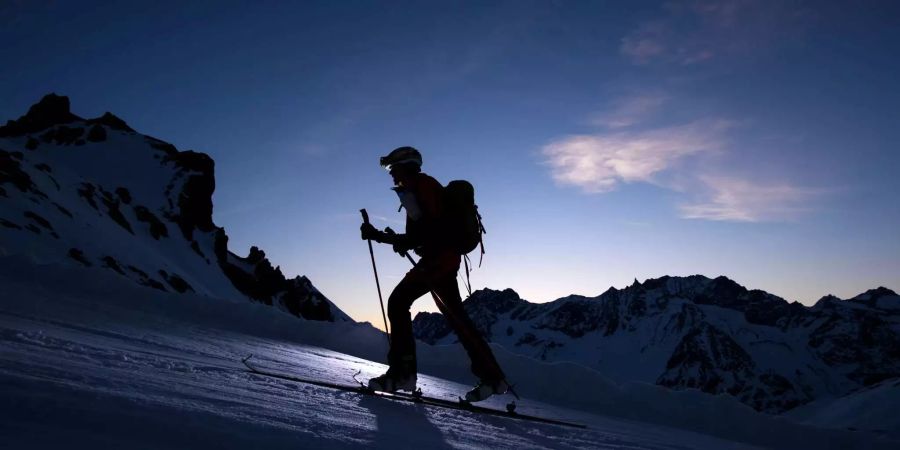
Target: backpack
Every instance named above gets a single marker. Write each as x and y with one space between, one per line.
461 217
463 222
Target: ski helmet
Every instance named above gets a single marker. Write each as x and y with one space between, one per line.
402 155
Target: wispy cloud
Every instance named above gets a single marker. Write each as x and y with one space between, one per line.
744 200
630 110
694 31
646 43
681 158
600 162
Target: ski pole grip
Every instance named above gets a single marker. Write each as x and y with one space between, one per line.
365 215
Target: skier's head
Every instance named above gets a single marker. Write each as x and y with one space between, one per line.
402 163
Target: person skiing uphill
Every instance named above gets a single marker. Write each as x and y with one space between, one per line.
430 236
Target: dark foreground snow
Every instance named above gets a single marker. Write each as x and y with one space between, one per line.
101 365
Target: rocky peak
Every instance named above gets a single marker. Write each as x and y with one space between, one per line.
759 307
825 302
879 298
195 206
109 119
494 301
875 294
51 110
256 255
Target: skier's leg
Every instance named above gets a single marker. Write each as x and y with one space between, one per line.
484 364
402 355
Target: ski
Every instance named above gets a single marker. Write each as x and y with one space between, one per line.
417 397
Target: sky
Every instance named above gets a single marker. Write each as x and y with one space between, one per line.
607 141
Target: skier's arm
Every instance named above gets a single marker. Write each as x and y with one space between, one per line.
401 242
423 211
370 233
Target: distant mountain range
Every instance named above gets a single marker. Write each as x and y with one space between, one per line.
702 333
98 194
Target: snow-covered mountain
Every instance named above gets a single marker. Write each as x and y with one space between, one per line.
708 334
97 194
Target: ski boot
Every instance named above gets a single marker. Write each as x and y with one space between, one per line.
393 381
485 389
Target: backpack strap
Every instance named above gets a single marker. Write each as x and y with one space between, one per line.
466 260
468 270
481 231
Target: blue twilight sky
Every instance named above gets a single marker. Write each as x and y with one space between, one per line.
607 141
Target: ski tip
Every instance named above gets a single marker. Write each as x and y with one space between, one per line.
247 358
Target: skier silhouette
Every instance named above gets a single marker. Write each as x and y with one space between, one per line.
428 234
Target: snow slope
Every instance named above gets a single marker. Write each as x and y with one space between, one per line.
105 362
872 409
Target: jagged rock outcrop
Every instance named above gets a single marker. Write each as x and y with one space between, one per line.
255 277
50 111
710 360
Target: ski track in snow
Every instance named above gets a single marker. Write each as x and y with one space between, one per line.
141 383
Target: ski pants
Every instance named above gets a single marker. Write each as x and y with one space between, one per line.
436 274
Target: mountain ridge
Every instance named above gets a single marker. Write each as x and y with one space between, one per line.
696 332
97 193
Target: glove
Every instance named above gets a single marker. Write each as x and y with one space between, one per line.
401 247
369 232
396 240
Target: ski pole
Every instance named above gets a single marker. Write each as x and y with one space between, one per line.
387 333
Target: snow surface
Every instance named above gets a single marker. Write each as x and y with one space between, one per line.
872 409
97 361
